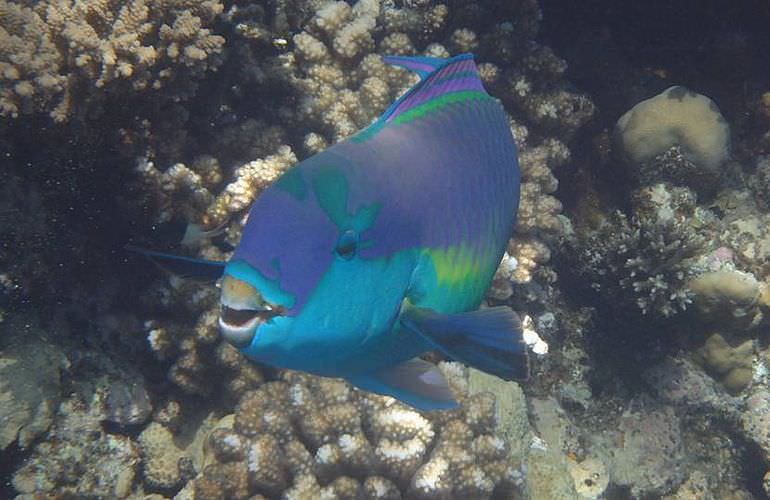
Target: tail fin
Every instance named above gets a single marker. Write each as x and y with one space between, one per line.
488 339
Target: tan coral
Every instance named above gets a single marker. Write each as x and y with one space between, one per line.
727 296
160 457
311 457
730 364
266 465
529 253
250 179
63 56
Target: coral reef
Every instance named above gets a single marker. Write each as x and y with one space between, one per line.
732 365
199 106
306 437
160 458
590 477
30 383
652 433
760 182
127 404
66 57
647 260
677 136
80 459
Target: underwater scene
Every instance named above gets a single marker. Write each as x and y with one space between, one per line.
384 249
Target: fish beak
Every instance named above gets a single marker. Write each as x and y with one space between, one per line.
242 311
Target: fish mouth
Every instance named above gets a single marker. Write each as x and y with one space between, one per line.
238 326
242 311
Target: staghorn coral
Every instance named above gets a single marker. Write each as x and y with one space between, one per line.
645 260
304 436
66 57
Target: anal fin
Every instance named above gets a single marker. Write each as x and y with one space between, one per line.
416 382
487 339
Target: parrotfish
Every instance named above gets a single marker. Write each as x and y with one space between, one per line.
365 256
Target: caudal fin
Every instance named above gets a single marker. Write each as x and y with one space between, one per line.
487 339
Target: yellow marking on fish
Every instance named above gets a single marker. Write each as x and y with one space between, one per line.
461 265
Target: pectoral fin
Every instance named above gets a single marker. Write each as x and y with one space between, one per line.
487 339
416 382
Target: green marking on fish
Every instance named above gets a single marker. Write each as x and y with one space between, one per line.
439 102
292 183
331 190
365 217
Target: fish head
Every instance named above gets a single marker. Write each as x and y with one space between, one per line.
297 277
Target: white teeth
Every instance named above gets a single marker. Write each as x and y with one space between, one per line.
239 336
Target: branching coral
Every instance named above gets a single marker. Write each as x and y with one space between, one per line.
644 259
62 56
343 85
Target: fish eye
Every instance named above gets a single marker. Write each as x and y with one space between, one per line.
347 245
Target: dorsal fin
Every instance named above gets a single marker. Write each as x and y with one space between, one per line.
438 78
423 66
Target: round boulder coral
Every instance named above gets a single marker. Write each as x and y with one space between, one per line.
677 135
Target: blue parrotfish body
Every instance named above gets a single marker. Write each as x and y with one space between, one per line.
361 258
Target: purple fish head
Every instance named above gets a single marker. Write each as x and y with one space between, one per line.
287 244
299 285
